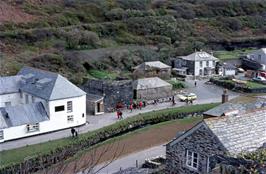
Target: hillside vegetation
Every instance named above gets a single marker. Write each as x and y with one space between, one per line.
74 37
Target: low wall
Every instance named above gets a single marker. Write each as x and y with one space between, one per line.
60 154
232 86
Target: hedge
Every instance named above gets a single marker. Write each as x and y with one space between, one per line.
69 148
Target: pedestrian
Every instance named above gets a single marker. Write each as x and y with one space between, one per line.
121 115
187 101
73 131
191 101
117 114
76 133
140 105
195 83
173 100
144 104
131 107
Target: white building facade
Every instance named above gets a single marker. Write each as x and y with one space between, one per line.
197 64
36 101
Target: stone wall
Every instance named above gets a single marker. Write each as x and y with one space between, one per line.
201 141
113 91
155 93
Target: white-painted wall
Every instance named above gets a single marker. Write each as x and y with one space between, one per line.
14 98
58 120
229 72
204 65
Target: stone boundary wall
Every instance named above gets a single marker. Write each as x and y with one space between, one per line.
232 86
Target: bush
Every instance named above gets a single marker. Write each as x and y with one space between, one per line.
177 84
115 14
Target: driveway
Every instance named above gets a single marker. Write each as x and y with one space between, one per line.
205 93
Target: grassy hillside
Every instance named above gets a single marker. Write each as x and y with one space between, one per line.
76 37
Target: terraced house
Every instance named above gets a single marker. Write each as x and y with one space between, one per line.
234 127
36 101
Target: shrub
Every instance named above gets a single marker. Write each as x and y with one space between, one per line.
115 14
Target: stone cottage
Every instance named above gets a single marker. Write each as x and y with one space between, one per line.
151 88
199 63
234 127
152 69
114 93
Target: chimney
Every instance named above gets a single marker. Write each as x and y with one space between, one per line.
225 96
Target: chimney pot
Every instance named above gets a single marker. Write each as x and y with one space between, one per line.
225 96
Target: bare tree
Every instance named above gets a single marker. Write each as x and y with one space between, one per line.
86 164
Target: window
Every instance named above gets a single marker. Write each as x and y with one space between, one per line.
32 99
7 104
207 63
33 127
70 118
1 134
59 108
69 106
192 160
200 63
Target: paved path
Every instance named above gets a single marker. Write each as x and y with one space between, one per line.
130 160
205 93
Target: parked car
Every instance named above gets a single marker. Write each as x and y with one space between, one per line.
259 78
188 96
240 70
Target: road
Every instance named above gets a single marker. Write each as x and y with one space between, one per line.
205 93
130 160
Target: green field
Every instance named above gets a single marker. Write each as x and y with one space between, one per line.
235 54
98 74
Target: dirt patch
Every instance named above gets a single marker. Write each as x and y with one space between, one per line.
136 142
10 13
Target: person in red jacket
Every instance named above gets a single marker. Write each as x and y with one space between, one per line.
131 107
140 105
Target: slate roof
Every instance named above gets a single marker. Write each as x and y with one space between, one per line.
93 97
149 83
152 64
47 85
22 114
241 104
229 66
199 56
240 133
9 84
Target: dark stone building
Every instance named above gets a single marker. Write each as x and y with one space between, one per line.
115 93
233 128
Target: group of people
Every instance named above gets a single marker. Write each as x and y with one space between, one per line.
74 132
135 105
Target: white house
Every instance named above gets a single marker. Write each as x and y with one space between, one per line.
228 70
36 101
259 56
198 63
